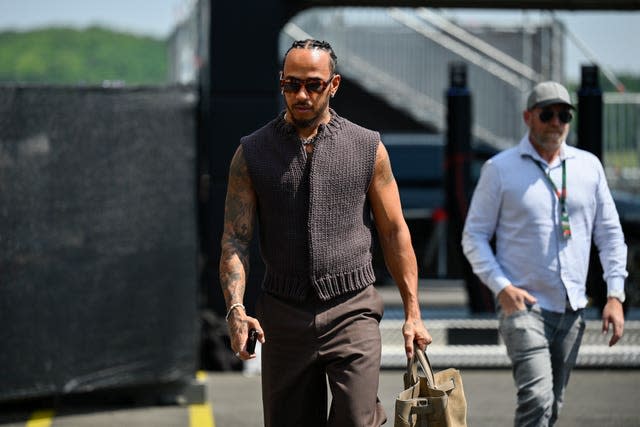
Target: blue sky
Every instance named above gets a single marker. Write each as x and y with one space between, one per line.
153 17
613 37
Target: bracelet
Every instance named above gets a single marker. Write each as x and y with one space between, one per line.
233 307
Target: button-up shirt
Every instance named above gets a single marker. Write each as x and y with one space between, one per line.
515 201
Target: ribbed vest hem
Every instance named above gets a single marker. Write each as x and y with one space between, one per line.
326 288
289 287
329 287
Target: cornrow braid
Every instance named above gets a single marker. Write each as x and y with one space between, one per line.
315 44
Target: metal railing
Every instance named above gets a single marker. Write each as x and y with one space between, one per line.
621 140
402 55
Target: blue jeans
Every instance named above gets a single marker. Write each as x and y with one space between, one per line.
543 348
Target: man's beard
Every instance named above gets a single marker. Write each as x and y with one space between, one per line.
304 124
311 122
550 141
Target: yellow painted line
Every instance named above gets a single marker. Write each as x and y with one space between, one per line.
41 418
201 415
201 375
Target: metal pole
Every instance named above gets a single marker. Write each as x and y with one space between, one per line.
590 111
458 185
590 137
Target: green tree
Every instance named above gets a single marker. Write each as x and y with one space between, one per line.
631 83
91 56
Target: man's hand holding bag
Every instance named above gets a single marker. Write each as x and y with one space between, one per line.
433 400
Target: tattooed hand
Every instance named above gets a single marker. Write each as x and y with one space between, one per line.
239 219
239 324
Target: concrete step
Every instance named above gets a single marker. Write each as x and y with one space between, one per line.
477 343
479 356
432 293
465 340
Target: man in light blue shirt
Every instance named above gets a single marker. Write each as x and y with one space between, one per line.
545 201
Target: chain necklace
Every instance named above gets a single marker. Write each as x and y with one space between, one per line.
308 141
305 141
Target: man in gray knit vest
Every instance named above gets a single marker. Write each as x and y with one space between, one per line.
313 180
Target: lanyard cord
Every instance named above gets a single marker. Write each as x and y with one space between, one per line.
562 197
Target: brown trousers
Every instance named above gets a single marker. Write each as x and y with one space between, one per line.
312 343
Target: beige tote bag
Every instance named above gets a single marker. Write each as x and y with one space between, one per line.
433 400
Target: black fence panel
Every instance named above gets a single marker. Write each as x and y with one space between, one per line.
98 238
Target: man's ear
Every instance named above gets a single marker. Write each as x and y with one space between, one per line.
335 82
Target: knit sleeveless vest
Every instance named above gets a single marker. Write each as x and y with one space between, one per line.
313 214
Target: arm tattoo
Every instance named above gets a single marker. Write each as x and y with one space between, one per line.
239 218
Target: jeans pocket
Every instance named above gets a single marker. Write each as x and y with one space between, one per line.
513 323
513 315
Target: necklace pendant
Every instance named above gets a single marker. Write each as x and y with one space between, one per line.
308 141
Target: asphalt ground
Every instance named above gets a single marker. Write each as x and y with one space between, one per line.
595 397
600 397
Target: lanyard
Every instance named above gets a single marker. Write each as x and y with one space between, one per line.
562 197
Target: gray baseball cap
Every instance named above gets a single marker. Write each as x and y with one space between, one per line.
548 93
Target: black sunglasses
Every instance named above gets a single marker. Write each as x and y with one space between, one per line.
293 85
547 115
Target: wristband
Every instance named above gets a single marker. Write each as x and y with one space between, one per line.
233 307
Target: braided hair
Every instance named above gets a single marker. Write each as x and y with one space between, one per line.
315 44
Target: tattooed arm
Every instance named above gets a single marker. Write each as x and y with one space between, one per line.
239 219
395 241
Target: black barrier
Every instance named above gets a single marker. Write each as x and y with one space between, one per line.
590 138
240 94
458 186
98 271
590 111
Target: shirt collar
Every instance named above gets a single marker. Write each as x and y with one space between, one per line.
525 148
